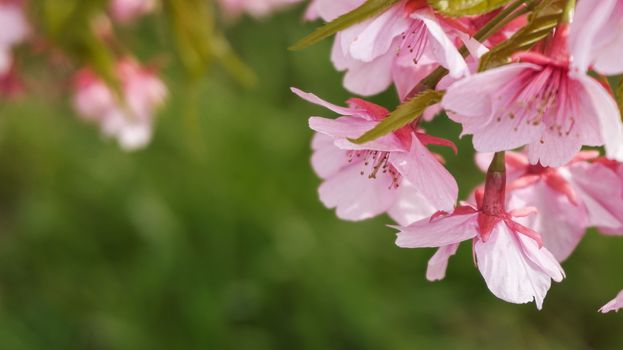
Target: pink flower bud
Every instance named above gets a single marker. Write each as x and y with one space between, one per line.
128 117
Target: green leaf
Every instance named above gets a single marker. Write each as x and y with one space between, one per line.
232 62
403 115
541 21
459 8
193 26
369 9
619 95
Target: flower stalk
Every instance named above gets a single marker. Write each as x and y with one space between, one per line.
495 186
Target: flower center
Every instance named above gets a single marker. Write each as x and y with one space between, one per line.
541 97
375 163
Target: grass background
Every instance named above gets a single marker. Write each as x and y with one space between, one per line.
213 237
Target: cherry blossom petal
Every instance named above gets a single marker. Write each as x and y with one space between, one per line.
376 39
344 128
406 78
607 60
370 78
588 21
509 273
542 257
438 263
599 189
614 304
605 109
410 205
355 196
440 232
327 159
560 223
473 96
444 50
329 10
427 175
309 97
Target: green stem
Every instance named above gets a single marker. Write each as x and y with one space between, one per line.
498 163
567 14
493 26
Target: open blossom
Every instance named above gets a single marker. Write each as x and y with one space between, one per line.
596 36
536 102
509 255
256 8
396 173
614 304
569 199
125 11
15 29
128 117
407 36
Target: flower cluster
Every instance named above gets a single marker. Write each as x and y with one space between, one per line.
531 93
112 87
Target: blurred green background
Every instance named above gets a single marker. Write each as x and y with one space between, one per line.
213 237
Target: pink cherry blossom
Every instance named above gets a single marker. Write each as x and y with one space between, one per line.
409 35
536 102
569 199
130 119
255 8
510 256
614 304
596 36
396 173
125 11
15 29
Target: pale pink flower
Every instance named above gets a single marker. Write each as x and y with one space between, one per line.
125 11
396 173
407 36
128 117
536 102
15 29
596 36
255 8
509 255
614 304
569 199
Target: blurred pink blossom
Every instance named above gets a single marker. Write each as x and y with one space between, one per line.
125 11
128 117
15 29
255 8
396 173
